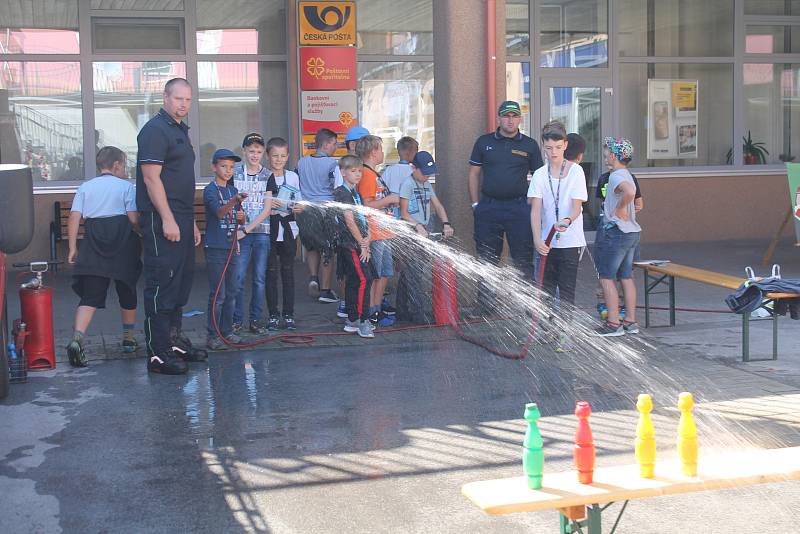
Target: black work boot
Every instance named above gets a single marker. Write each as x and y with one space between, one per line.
166 364
183 349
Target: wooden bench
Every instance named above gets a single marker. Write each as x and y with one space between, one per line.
59 231
580 504
658 274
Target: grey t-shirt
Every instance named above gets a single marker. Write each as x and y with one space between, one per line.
419 197
319 176
613 198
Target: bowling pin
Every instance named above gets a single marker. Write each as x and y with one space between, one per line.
532 448
687 436
584 445
645 438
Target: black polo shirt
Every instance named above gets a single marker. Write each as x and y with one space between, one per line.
163 141
506 162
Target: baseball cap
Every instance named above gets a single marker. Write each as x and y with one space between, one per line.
509 106
224 153
424 162
355 133
251 138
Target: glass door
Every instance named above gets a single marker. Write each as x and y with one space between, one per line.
582 107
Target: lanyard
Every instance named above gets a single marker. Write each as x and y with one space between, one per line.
557 193
421 195
227 220
357 200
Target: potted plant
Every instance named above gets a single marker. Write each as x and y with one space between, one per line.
754 152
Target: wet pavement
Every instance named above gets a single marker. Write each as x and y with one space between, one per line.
378 436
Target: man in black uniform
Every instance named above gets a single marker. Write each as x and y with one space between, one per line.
499 201
165 186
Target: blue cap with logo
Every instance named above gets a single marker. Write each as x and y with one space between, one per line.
424 162
355 133
224 153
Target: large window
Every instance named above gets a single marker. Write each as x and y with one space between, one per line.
573 34
241 27
43 100
714 119
396 99
386 28
126 95
237 98
676 28
39 27
772 112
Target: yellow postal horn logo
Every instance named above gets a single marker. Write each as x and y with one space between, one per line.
330 19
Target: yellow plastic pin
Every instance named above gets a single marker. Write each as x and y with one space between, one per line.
687 436
645 438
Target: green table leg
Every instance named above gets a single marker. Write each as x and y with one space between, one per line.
745 337
672 301
774 332
646 298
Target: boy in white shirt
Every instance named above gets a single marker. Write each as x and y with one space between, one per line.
558 191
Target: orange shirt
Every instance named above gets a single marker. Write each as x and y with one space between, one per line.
371 187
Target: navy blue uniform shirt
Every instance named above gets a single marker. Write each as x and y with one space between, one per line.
164 141
506 162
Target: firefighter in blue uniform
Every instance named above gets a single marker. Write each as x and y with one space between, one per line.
498 188
165 187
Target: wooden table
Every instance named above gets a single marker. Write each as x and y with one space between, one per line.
580 504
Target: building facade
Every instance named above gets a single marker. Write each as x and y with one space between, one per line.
699 87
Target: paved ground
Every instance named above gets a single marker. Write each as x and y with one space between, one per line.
352 436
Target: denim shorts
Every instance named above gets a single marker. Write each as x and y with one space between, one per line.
614 253
382 258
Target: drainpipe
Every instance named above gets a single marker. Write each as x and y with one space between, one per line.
491 63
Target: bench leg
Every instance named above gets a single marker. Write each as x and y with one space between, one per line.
646 298
672 301
745 337
774 333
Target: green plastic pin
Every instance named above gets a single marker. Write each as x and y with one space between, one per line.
533 448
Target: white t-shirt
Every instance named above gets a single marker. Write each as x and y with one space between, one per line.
571 187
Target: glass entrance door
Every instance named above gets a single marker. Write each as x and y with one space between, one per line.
582 108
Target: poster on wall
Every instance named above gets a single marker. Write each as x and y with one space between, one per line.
336 110
329 68
672 112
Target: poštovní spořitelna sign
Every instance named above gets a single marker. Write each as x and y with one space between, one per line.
327 23
328 68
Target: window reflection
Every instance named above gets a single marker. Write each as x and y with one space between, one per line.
30 41
772 90
46 127
385 29
236 98
574 34
396 99
126 95
242 27
517 28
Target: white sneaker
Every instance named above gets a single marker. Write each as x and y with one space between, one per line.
353 326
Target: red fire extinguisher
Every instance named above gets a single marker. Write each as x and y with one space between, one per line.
36 306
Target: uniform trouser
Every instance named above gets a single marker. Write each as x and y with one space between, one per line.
281 265
512 219
495 219
168 274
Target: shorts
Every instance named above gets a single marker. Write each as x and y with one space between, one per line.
381 253
93 289
614 253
